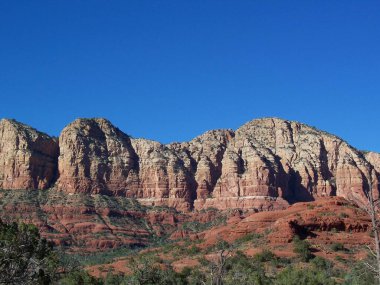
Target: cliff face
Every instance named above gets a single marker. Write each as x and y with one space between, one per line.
278 158
265 164
95 157
28 158
163 178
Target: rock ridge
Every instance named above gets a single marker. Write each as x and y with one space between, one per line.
265 164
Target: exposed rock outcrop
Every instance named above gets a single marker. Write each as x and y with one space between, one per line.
264 165
374 159
204 156
95 157
28 158
164 179
278 158
319 219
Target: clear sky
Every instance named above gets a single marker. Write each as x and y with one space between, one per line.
171 69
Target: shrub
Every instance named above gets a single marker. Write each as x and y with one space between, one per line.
192 250
203 261
113 279
338 247
195 226
265 256
326 214
146 271
249 237
79 277
321 263
222 245
310 206
244 270
196 277
340 259
296 276
302 249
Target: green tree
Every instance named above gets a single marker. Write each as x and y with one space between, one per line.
245 271
359 275
218 265
25 258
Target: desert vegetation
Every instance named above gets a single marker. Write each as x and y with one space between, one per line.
26 258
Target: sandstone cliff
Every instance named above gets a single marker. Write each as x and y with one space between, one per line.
278 158
28 158
265 164
164 178
95 157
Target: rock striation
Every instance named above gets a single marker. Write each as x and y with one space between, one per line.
264 165
28 158
164 178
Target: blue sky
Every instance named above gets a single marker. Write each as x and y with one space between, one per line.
170 69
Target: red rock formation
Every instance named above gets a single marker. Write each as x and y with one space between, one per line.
203 157
27 157
313 219
163 177
266 164
86 222
271 158
95 157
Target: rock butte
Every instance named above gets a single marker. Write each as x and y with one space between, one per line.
264 165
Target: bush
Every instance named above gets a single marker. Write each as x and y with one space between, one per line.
146 271
194 277
321 263
192 250
112 279
337 247
310 206
340 259
222 245
249 237
296 276
343 215
244 270
203 261
79 278
302 249
265 256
